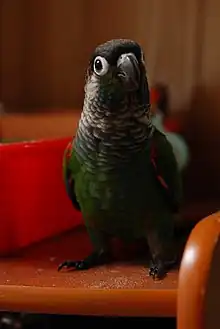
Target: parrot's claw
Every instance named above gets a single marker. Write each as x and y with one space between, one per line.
157 270
96 258
70 264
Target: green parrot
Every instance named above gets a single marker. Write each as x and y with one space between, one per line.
119 170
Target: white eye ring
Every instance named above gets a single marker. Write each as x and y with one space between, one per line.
100 66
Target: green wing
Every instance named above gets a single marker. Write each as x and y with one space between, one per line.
166 169
71 168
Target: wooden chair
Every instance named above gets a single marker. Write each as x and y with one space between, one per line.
198 304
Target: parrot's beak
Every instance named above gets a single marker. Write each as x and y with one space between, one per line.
128 72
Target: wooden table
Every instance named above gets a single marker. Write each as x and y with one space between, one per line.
30 282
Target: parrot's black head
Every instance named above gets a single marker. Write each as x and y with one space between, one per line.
116 71
116 119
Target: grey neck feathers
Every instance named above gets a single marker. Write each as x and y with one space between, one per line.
109 137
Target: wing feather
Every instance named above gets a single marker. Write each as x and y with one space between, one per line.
68 175
166 170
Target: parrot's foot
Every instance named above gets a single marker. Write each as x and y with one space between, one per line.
95 259
158 269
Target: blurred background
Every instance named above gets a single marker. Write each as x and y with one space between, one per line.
45 47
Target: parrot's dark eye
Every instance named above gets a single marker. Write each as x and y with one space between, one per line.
100 65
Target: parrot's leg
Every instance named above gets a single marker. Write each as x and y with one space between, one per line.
99 256
162 252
